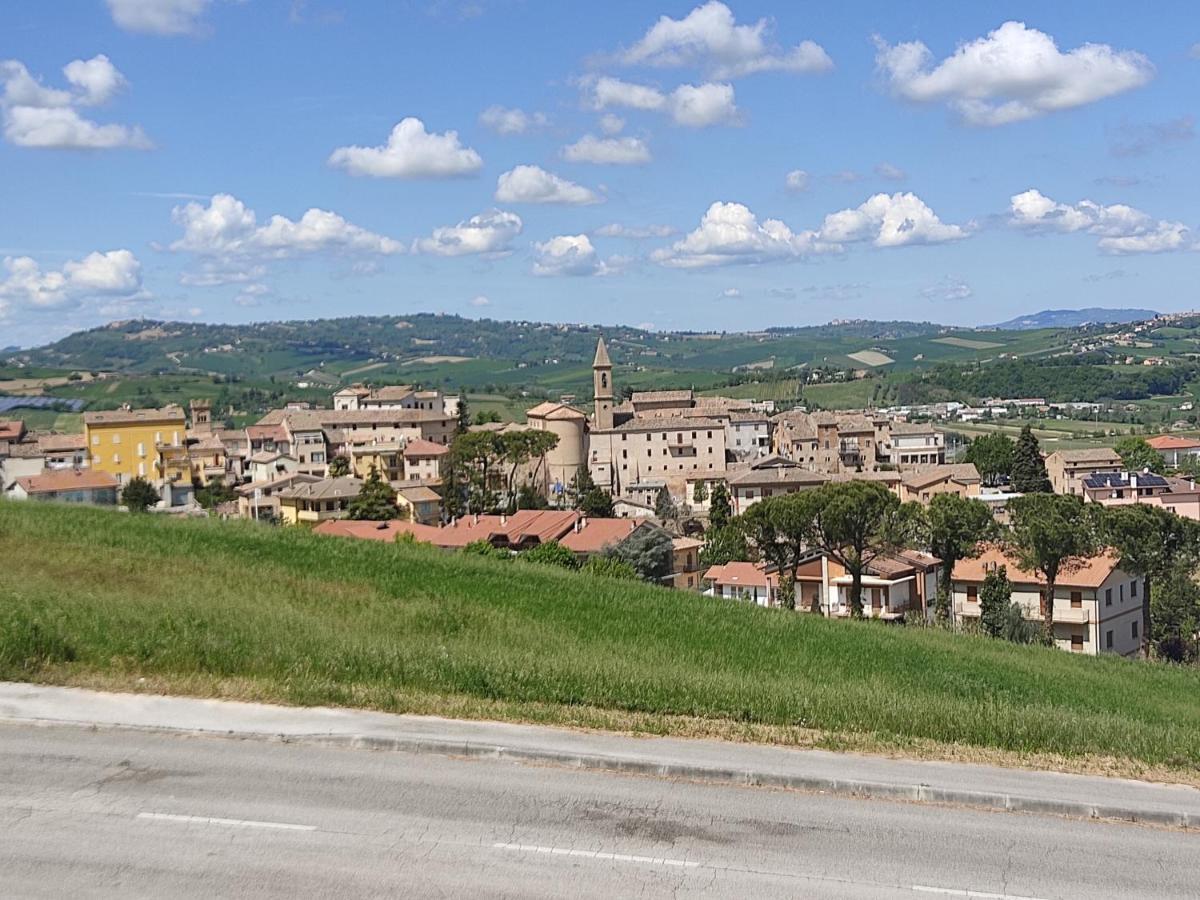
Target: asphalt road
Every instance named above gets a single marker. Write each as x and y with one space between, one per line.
129 814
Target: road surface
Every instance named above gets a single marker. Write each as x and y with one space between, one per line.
131 814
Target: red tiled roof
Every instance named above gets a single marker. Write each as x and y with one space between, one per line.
422 447
58 480
741 574
11 429
1172 442
593 535
1091 574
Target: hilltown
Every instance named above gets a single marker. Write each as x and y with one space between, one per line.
661 469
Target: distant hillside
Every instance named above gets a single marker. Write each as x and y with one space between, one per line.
1073 318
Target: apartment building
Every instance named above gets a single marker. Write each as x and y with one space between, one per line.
855 442
923 485
1098 606
125 442
423 461
311 502
666 447
1177 495
1068 468
770 477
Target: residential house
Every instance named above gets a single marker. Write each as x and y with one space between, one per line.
421 503
124 442
260 499
64 451
892 585
67 486
12 431
269 465
770 477
924 484
385 457
423 461
313 502
1177 495
1175 450
685 563
1068 468
746 581
20 460
590 536
1098 606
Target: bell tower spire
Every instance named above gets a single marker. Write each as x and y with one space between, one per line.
602 387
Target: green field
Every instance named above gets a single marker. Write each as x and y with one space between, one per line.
204 607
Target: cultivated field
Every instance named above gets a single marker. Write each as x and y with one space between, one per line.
99 598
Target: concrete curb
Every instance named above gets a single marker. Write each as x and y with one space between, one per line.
861 789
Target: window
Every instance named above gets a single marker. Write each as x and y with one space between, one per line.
1121 588
972 594
1077 643
117 438
1133 630
1133 589
1108 639
1108 596
1076 599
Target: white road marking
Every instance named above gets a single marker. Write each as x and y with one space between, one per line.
231 823
598 854
976 895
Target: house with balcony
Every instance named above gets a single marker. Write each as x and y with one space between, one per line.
1098 606
1068 468
1175 450
310 503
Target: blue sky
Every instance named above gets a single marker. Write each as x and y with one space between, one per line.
748 164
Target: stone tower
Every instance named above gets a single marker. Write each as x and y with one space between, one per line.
201 416
602 387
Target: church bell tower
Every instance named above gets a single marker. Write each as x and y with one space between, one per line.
602 387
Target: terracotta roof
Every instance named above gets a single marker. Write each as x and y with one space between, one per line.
325 489
552 410
391 392
421 447
545 525
378 531
593 535
777 475
660 396
741 574
887 476
1173 442
965 473
1093 454
1091 574
668 423
686 543
11 429
419 494
275 484
58 480
262 432
134 416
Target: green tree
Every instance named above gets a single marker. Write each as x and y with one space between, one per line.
782 530
521 447
1017 629
955 526
551 553
995 599
1152 542
1176 619
1051 534
1137 456
1028 468
215 493
463 425
339 467
992 455
486 549
724 545
664 506
376 500
454 490
139 495
700 491
648 551
609 567
589 498
855 522
719 509
486 416
529 497
476 455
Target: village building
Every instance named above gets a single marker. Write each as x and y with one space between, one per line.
1068 468
67 486
125 442
1175 451
1098 606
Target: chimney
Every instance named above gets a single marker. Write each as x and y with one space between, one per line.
503 518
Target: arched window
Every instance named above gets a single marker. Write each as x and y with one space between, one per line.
604 379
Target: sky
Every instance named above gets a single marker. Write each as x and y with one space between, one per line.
670 165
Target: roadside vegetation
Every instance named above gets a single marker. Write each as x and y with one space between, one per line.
98 598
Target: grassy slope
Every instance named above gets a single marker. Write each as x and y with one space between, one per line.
95 597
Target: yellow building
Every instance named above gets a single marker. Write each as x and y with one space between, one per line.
124 442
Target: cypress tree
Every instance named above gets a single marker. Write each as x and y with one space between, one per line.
1028 468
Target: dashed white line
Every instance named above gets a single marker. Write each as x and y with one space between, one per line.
975 895
599 854
230 823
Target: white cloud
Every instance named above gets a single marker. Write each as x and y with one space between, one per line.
411 152
163 17
893 220
489 232
709 37
533 184
797 180
691 105
226 234
1121 229
572 254
952 288
613 151
888 172
611 124
480 301
48 118
503 120
634 232
729 234
251 295
116 274
731 293
1013 74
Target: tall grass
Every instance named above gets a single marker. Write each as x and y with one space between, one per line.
328 620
